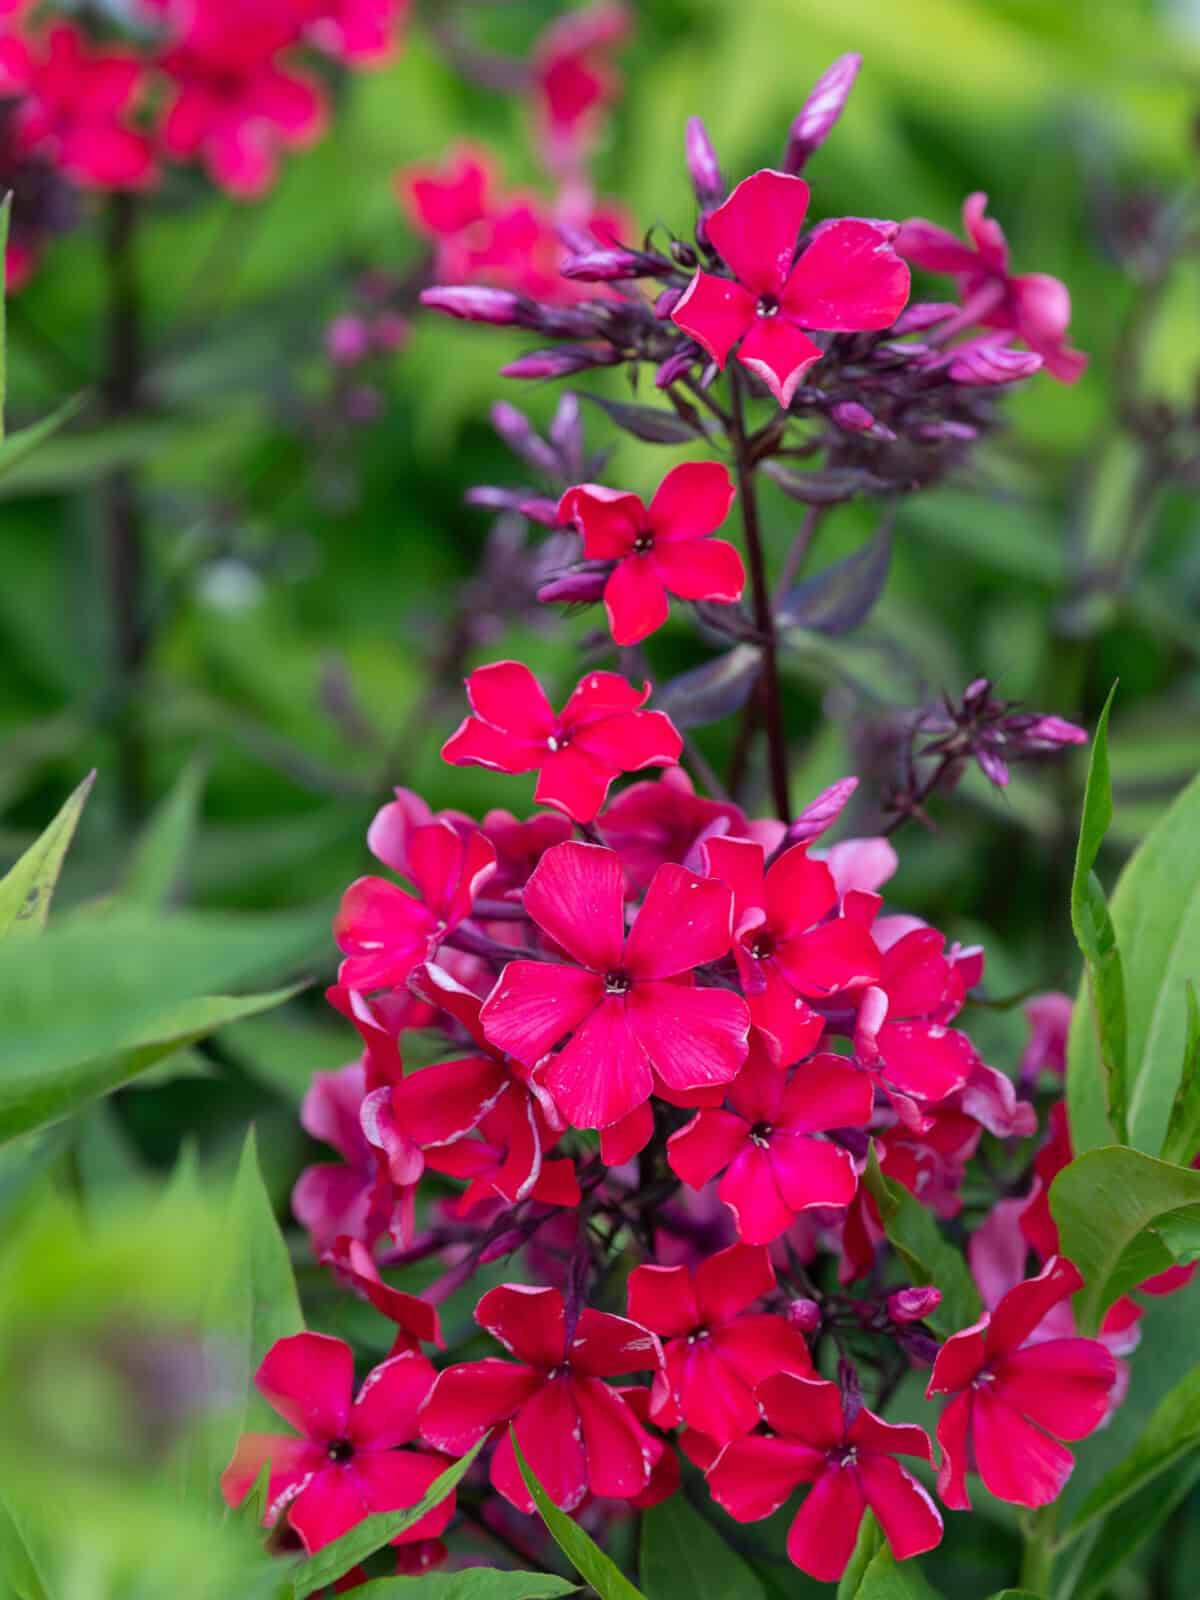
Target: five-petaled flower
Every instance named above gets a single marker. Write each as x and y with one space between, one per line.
776 1166
660 549
630 1006
1032 305
848 280
576 1432
849 1459
1016 1398
716 1354
577 752
347 1462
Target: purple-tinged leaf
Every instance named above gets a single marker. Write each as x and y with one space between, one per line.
842 596
717 689
648 423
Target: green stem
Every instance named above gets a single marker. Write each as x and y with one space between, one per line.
1037 1564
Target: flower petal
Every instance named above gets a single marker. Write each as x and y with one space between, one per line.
529 1322
693 1037
635 600
685 922
608 519
385 1412
809 1409
1024 1306
953 1435
619 1451
826 1093
308 1379
731 1280
534 1004
601 1075
778 351
811 1172
330 1505
1017 1462
911 1522
849 280
691 502
549 1432
716 313
663 1298
507 695
701 569
573 782
394 1480
752 1477
467 1400
576 895
1064 1385
822 1535
292 1461
756 229
698 1151
750 1190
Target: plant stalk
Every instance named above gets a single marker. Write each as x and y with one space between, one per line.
1037 1563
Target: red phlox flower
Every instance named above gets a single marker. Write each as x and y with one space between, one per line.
848 280
666 1475
520 845
348 1462
766 1141
574 1429
385 932
849 1459
577 752
862 864
1032 305
902 1032
361 33
630 1006
788 947
715 1354
1049 1018
662 549
664 819
443 201
1015 1400
416 1320
574 82
73 102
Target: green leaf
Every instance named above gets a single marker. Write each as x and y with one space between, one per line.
1095 934
374 1532
18 1569
161 854
15 447
928 1255
593 1566
28 887
1127 1527
33 1099
866 1548
1183 1129
476 1583
1114 1208
683 1557
889 1579
1156 916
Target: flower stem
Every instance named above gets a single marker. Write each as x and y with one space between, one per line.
1037 1564
764 620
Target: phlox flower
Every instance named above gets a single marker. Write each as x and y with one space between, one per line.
848 280
665 548
577 752
849 1458
630 1005
573 80
576 1432
347 1461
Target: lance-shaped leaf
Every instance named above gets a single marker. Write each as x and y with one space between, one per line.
1096 935
844 595
717 689
1122 1217
1182 1139
160 856
584 1554
475 1583
651 424
15 447
683 1557
929 1257
889 1579
28 887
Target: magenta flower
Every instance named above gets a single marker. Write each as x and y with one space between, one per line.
715 1354
662 549
574 81
629 1004
848 280
577 752
848 1458
775 1165
331 1199
1031 305
1015 1399
663 819
576 1432
902 1032
786 944
347 1462
385 932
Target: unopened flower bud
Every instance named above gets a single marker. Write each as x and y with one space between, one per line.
984 362
579 588
817 116
666 303
925 314
703 167
854 418
1050 733
683 255
389 331
562 362
913 1305
347 340
538 509
519 434
610 266
499 307
805 1315
674 368
821 813
566 435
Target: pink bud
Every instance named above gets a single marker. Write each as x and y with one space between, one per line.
347 340
805 1315
538 509
574 588
389 331
820 111
495 306
1050 732
673 368
607 266
913 1305
854 418
560 363
821 813
666 303
925 314
702 164
987 361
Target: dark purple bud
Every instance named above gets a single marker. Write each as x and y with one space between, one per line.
538 509
854 418
347 340
566 435
611 266
913 1305
472 304
674 368
921 1347
989 361
666 303
820 112
579 588
805 1315
519 434
703 167
923 315
562 362
683 255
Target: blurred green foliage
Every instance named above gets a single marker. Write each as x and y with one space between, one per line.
302 580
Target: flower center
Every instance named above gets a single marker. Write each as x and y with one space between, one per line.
644 543
847 1456
616 982
340 1451
698 1336
760 1134
768 305
761 946
556 742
